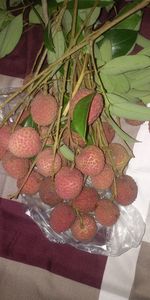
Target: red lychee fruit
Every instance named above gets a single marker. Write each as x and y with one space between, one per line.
44 109
90 161
74 141
107 212
96 105
47 192
24 142
62 217
47 164
104 179
86 201
126 190
16 167
31 185
119 154
68 182
108 131
5 133
2 152
84 228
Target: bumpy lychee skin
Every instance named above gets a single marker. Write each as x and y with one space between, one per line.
119 155
24 142
107 212
5 133
16 167
47 192
108 131
96 105
90 161
68 182
62 217
126 190
32 184
104 179
2 152
86 201
44 109
47 164
84 228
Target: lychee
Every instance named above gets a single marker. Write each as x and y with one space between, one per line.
2 152
44 109
90 161
84 228
118 156
5 133
24 142
62 217
104 179
107 212
31 185
68 182
126 189
47 192
15 166
96 105
108 131
47 164
86 201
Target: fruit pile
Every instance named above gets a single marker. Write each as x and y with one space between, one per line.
31 155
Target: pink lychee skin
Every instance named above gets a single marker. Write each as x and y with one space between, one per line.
107 212
32 184
47 192
62 217
16 167
44 109
96 106
2 152
84 229
87 200
5 133
104 179
68 183
24 142
90 161
46 164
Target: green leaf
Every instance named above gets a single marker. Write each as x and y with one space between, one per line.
3 4
10 35
145 51
126 63
59 43
105 50
67 21
28 122
122 41
66 152
35 15
120 132
137 93
146 99
48 40
139 79
115 83
5 18
142 41
80 115
82 4
133 22
131 111
83 13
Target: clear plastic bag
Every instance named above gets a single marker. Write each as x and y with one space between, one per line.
112 241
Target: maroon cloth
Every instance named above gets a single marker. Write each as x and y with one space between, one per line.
22 240
20 61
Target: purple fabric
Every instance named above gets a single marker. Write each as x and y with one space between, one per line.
21 240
